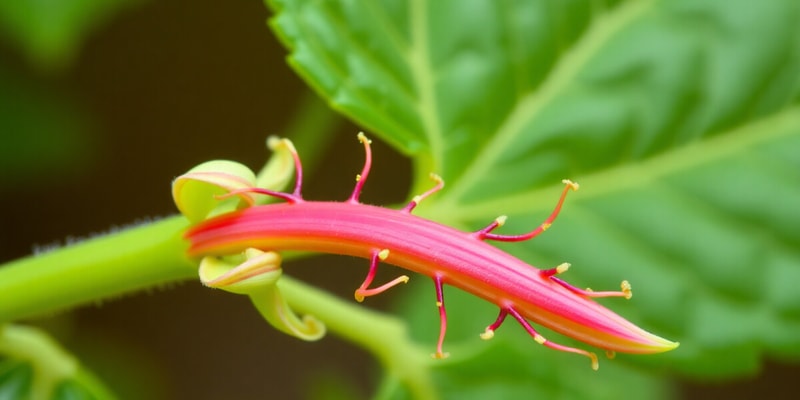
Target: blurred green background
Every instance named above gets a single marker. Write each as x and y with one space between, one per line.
102 104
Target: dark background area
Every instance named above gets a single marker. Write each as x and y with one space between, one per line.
163 87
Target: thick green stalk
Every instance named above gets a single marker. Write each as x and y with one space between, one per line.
384 336
110 265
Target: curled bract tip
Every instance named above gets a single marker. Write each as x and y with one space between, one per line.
255 274
202 191
273 142
279 170
276 143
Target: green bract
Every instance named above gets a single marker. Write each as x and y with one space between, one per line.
256 274
196 192
210 189
203 190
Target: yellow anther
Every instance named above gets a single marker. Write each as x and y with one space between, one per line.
572 185
487 334
439 304
501 220
436 178
539 339
416 199
440 356
363 138
610 354
626 288
546 226
563 267
383 254
358 177
595 363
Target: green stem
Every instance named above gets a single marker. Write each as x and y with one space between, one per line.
134 259
384 336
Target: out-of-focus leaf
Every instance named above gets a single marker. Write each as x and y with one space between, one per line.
41 133
34 366
51 31
15 379
331 385
681 120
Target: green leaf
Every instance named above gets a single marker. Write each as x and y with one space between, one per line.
681 120
45 136
15 379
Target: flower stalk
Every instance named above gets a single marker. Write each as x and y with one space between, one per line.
448 256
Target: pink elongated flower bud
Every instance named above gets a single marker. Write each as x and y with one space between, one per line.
449 256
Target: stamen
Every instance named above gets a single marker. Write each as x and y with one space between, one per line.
442 318
626 289
362 177
489 332
298 166
541 340
572 185
418 199
498 222
588 292
362 291
560 269
543 227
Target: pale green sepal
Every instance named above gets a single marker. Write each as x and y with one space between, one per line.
279 170
258 270
257 276
196 193
276 310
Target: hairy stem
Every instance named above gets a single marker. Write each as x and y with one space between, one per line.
110 265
